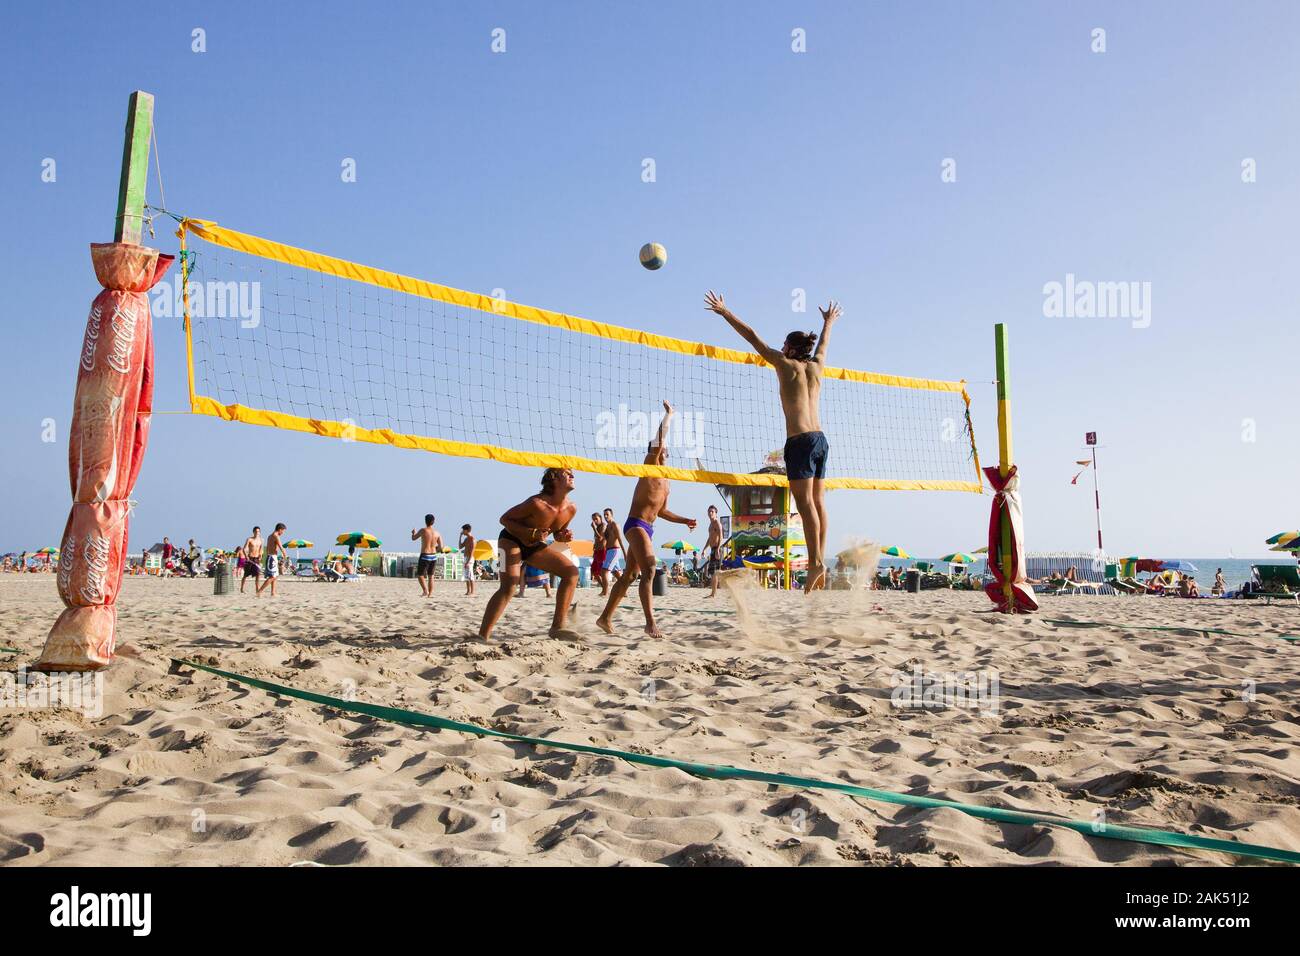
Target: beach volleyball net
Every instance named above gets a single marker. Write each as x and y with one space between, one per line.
283 337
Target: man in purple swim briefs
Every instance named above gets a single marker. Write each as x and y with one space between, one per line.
649 501
799 371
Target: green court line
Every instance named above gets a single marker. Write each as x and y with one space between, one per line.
710 771
10 650
1149 627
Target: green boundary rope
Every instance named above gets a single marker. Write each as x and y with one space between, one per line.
10 650
1150 627
1105 831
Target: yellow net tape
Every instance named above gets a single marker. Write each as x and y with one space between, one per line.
335 361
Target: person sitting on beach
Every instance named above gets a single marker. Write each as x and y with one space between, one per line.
524 529
534 578
430 544
896 578
649 502
1188 588
799 372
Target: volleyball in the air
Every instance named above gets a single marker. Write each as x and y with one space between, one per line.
653 255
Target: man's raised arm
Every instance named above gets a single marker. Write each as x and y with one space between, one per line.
829 315
713 302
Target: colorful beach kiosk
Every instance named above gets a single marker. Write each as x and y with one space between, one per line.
763 523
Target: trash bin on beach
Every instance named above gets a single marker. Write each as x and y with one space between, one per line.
913 581
223 578
661 583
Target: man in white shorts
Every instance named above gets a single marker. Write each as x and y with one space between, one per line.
467 549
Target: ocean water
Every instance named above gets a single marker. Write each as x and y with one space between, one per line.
1236 571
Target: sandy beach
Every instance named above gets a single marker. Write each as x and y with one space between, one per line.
1155 728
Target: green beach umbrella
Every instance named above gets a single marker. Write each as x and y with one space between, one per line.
959 557
894 551
47 551
358 539
299 543
679 546
1283 538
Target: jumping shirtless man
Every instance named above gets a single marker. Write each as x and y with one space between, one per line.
524 529
799 371
274 555
430 544
649 501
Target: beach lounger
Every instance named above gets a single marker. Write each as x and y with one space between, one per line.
1277 581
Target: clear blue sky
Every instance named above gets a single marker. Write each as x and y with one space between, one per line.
776 170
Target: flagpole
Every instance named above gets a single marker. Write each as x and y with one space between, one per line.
1096 497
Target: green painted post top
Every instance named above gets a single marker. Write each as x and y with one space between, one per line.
1000 346
129 224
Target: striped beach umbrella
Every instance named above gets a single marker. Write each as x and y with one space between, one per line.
679 546
959 557
358 539
299 543
1283 538
894 551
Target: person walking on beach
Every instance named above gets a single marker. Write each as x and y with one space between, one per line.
250 555
613 542
799 371
713 550
430 545
649 501
274 555
524 529
467 543
598 550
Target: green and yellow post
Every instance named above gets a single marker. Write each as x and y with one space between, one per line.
1004 456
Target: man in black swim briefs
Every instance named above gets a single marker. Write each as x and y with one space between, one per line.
524 529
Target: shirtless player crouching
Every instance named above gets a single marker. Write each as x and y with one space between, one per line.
649 501
524 529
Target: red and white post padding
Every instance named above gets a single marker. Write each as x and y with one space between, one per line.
110 428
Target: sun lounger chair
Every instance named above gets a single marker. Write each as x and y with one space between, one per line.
1277 581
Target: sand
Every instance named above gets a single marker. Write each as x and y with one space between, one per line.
186 768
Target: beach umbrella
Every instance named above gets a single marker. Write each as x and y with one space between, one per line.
485 550
1293 547
50 551
358 539
679 546
894 551
1283 538
299 543
983 550
959 557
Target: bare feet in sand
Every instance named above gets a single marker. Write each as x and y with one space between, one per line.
564 634
816 578
653 631
604 624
